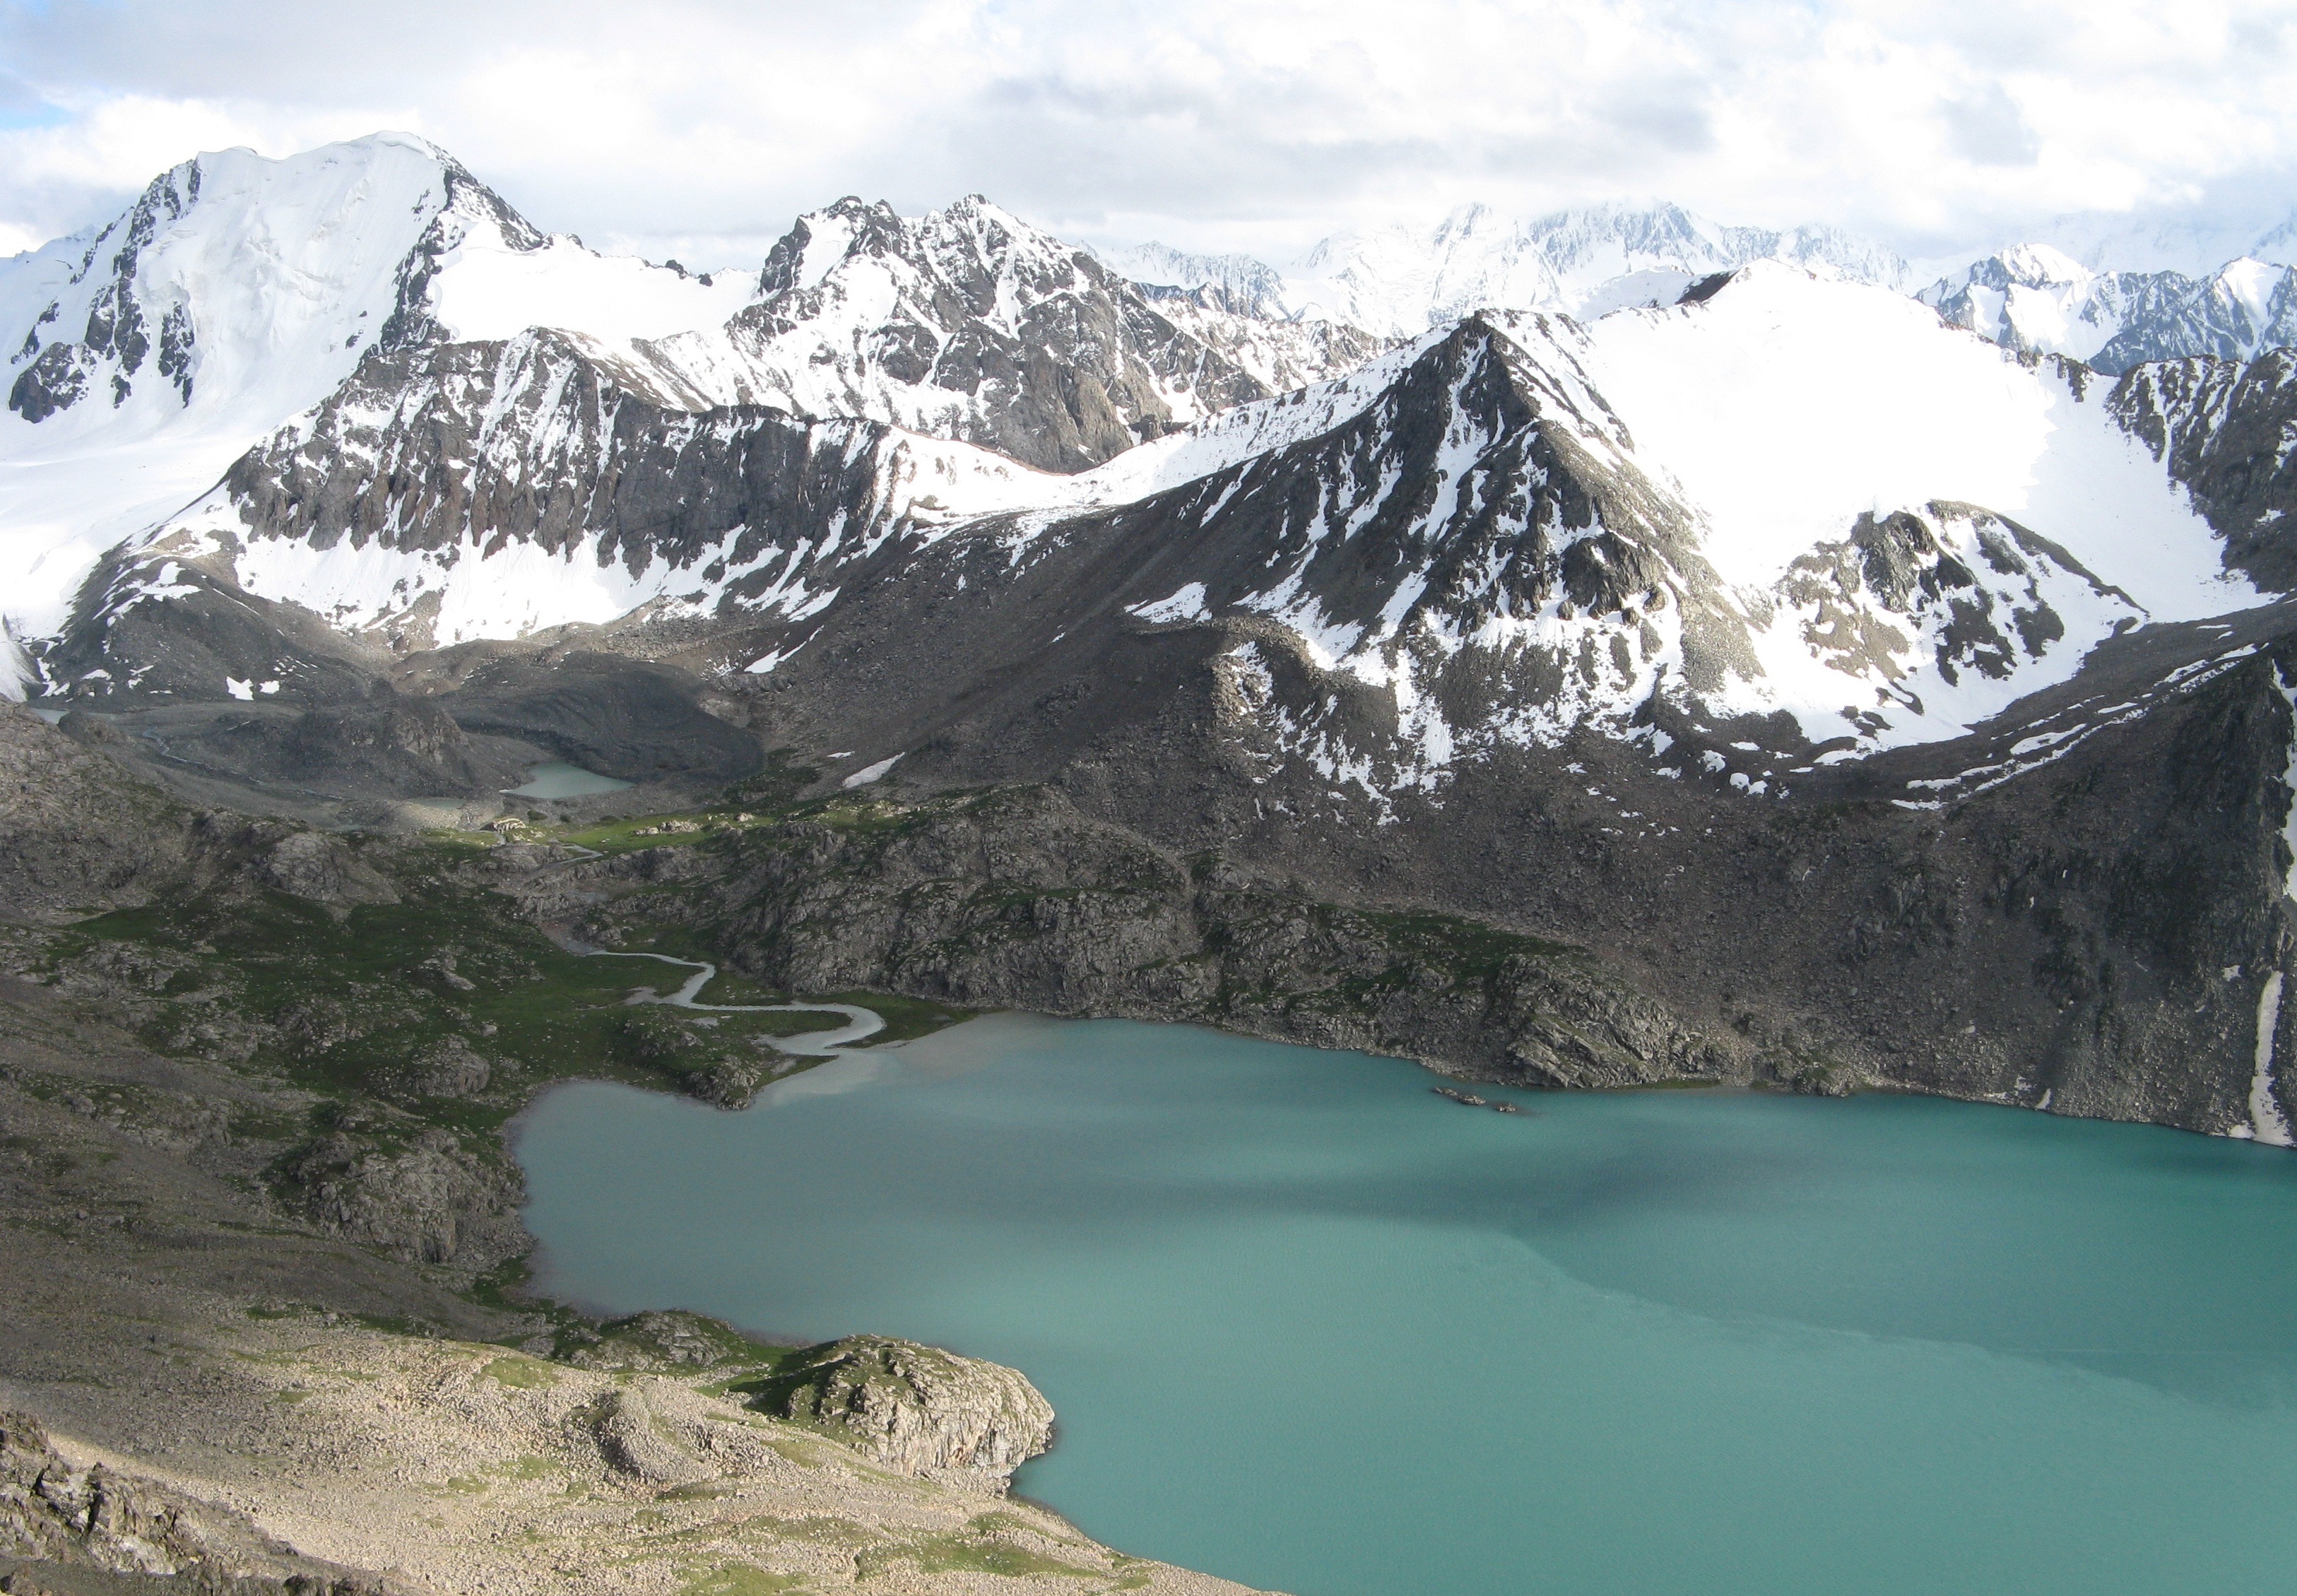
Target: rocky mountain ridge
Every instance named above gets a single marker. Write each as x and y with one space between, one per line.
2033 299
969 325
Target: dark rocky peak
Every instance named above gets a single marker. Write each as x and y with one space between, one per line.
970 324
1494 477
465 204
971 261
1480 531
819 241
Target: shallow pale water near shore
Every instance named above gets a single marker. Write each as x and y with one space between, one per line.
1312 1327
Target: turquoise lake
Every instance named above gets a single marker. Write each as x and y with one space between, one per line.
1312 1328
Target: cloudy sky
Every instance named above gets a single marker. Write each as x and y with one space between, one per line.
697 128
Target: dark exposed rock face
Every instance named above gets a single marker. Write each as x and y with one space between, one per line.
1018 901
553 444
56 380
51 1510
749 512
97 1528
1921 590
2225 429
117 334
2178 318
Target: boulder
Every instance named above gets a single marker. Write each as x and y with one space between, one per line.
912 1408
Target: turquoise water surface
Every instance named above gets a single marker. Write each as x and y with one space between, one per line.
1311 1327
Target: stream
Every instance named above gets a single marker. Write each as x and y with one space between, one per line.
860 1022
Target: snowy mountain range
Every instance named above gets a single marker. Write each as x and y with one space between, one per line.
2191 248
1715 582
2114 295
2033 298
1686 504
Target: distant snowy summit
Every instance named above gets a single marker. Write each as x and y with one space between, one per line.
2034 298
2110 291
1397 282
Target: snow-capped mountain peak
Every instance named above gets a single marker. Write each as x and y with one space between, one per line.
1398 281
237 291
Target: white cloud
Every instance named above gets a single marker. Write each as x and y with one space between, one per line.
698 130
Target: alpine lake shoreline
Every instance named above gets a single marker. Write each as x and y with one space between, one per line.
261 1205
257 1132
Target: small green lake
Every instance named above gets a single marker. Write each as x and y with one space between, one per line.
1309 1326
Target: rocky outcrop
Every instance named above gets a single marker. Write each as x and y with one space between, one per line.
448 1068
62 1521
662 1341
912 1408
78 832
714 1068
637 1443
51 1510
324 869
413 1193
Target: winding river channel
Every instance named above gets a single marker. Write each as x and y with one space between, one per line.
860 1024
1312 1327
